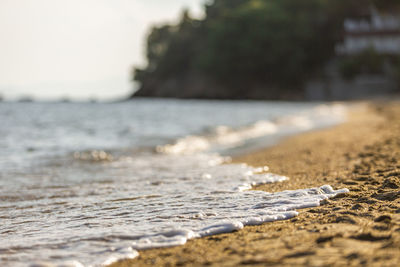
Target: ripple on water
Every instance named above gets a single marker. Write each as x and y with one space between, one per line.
90 208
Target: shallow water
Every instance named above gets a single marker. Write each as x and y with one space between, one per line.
91 183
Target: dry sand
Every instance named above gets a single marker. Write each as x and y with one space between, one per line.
359 228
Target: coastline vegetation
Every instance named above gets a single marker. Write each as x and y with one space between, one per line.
248 48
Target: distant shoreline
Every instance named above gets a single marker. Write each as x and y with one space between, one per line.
362 227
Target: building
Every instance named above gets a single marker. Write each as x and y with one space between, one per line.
373 30
369 30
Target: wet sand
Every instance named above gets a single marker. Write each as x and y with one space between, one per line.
355 229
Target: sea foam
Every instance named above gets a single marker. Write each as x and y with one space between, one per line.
208 197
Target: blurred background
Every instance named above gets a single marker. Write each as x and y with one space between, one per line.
221 49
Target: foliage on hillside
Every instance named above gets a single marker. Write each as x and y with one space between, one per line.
245 45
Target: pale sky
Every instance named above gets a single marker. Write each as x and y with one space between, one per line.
78 49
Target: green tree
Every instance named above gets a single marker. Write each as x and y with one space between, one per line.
247 44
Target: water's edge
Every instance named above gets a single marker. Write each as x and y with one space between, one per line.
95 207
252 146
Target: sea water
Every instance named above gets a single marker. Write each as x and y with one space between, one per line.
88 184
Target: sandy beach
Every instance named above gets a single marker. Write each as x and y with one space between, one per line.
358 228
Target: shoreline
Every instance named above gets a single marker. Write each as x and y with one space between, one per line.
359 228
